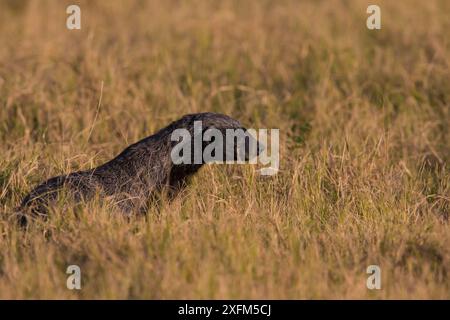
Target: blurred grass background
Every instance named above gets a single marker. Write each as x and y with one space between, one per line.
365 145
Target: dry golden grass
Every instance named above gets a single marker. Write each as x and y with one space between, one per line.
364 124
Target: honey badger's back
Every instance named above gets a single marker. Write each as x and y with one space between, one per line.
81 185
129 178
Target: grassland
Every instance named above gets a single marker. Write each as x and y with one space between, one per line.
364 127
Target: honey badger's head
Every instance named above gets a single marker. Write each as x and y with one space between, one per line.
210 137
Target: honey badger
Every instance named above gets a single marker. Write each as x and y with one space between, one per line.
137 173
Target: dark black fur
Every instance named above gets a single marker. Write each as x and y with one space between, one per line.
134 176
